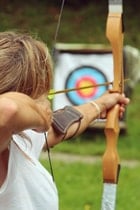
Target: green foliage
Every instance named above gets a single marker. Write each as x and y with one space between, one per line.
80 186
85 24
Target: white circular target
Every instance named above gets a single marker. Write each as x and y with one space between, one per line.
81 77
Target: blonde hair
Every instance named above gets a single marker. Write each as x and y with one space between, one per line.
25 64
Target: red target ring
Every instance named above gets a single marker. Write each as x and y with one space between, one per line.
85 82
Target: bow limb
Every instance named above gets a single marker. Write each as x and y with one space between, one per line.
111 162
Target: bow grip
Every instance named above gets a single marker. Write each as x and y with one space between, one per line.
111 165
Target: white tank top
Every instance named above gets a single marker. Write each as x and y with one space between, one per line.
28 185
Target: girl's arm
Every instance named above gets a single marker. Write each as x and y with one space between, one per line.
90 111
19 112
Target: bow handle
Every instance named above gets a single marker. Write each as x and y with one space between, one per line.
111 160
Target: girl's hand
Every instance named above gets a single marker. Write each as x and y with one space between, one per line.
109 100
45 110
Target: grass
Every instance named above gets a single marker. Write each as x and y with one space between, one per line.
80 186
85 24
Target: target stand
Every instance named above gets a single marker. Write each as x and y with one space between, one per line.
80 65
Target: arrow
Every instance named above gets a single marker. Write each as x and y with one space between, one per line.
53 92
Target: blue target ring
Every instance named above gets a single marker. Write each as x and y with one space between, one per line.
85 76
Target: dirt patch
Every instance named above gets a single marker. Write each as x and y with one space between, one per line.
70 158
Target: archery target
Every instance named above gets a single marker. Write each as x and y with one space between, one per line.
82 77
74 70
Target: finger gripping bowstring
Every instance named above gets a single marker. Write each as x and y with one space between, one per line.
111 162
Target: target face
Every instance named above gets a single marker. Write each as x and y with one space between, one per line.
81 77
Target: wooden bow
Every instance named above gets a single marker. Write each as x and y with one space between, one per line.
111 162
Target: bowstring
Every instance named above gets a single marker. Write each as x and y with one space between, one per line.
53 50
58 26
49 157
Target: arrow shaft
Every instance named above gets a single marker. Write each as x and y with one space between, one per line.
81 88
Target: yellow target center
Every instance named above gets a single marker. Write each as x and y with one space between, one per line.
86 83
